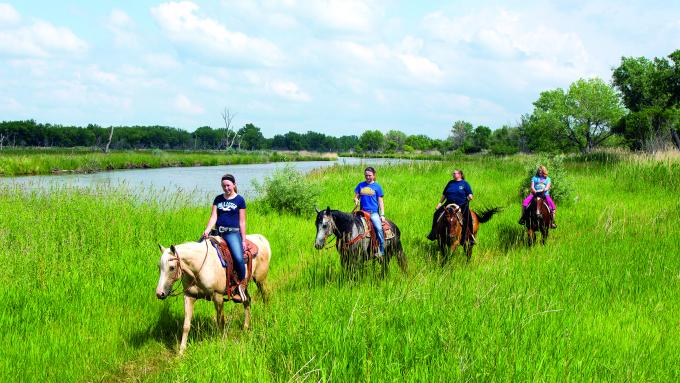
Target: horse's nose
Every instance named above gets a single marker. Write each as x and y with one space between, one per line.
318 245
160 294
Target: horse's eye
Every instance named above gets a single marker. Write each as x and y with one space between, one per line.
172 267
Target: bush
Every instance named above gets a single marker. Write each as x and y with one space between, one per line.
288 190
561 188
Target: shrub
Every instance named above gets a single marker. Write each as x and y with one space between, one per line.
288 190
561 188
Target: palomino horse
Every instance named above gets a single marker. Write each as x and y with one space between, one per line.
537 218
203 276
347 228
449 227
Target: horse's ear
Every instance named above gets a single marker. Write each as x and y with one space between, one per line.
316 209
328 210
172 248
161 248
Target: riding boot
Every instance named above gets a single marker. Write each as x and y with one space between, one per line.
553 224
521 218
432 236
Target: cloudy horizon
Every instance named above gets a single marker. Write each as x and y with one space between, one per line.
335 67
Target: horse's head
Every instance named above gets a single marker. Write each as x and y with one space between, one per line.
324 227
170 272
454 220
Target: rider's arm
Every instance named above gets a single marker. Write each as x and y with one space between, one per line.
547 187
533 191
211 221
356 200
470 197
381 207
242 224
441 201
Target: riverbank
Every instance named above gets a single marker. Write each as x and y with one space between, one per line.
60 161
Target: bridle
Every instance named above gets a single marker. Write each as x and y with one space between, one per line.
329 230
179 271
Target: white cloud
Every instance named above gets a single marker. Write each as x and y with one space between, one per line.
209 82
421 67
39 40
161 61
122 26
8 15
210 39
183 104
289 90
349 15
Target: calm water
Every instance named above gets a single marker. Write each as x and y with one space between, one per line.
201 182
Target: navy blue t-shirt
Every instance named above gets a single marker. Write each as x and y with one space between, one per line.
457 192
228 210
368 196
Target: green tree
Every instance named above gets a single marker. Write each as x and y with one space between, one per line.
419 142
583 116
371 140
251 137
461 135
395 140
651 90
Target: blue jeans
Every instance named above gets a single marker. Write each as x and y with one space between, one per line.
236 247
377 226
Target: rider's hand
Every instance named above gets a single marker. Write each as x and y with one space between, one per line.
382 218
243 243
206 233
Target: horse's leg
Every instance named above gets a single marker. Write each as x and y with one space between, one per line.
468 251
262 288
530 236
218 300
188 313
401 258
246 308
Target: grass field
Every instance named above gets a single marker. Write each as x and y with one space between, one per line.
599 302
54 161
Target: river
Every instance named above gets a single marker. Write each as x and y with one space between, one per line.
201 182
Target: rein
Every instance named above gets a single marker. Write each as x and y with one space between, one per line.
329 232
179 272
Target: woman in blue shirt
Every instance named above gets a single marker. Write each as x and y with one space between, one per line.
369 196
457 191
229 213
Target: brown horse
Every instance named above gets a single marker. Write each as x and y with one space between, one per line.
537 217
449 229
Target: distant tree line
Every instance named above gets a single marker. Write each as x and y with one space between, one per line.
640 109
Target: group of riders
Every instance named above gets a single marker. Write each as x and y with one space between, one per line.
228 215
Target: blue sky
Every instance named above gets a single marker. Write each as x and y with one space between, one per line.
337 67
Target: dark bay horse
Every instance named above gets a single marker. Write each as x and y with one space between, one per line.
354 251
449 229
537 217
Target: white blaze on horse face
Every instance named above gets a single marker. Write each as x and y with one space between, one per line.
166 269
322 232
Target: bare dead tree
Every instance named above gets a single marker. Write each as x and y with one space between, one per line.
106 150
231 135
2 139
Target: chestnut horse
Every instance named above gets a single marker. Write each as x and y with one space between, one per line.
449 227
537 218
203 277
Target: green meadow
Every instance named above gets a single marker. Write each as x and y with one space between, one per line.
599 302
15 162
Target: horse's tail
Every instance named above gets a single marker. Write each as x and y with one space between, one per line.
486 214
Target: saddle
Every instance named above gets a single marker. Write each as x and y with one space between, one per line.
369 230
224 254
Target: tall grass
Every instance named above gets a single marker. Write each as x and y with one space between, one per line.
33 162
598 303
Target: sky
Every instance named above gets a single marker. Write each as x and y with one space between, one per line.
338 66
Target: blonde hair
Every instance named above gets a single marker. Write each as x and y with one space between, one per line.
543 169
